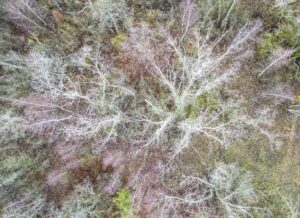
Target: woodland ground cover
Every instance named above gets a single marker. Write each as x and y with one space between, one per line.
149 108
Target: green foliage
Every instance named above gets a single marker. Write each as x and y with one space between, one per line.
68 33
88 158
123 203
15 167
68 37
205 101
151 15
162 5
225 9
289 35
14 85
271 175
85 23
2 13
286 35
268 45
224 13
65 5
19 174
117 40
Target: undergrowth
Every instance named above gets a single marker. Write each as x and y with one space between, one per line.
149 108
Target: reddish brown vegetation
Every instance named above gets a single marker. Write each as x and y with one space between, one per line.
59 17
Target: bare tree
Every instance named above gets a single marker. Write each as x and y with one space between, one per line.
185 79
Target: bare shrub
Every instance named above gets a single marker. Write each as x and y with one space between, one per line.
292 204
10 125
29 206
46 72
280 94
26 14
279 59
98 99
231 188
284 3
295 109
85 201
113 16
18 178
11 60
